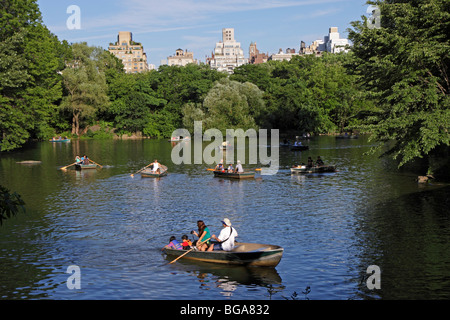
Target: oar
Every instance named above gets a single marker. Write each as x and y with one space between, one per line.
211 169
95 163
201 242
141 169
64 168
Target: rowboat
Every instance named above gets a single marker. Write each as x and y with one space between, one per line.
244 254
149 173
59 140
299 148
85 166
233 175
315 169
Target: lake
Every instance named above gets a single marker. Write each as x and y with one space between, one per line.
112 226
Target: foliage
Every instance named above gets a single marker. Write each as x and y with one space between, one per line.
30 86
404 65
85 83
10 204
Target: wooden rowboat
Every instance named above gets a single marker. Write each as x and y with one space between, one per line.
244 254
316 169
299 148
149 173
232 175
85 166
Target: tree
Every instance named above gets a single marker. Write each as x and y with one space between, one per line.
30 86
10 204
404 65
232 105
85 83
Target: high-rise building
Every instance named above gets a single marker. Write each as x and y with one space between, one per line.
130 52
334 43
181 58
228 53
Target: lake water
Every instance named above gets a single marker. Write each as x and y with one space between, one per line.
332 226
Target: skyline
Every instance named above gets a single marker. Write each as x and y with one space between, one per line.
196 26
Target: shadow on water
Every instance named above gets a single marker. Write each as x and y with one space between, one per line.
408 237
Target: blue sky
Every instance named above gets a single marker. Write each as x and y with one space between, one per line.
196 25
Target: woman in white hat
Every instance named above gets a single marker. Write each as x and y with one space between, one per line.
226 237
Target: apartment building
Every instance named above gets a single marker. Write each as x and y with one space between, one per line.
181 58
228 53
130 52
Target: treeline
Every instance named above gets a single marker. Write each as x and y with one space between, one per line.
50 88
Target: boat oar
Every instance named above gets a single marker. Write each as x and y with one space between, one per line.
201 242
132 175
95 163
64 168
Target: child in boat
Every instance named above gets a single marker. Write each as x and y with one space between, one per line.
173 244
230 168
186 243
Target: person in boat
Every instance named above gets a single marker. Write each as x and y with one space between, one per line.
319 161
85 160
226 237
239 168
186 243
230 168
173 244
203 236
77 159
310 162
219 167
156 167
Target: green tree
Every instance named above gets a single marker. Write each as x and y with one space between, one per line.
85 83
404 65
10 204
30 86
232 105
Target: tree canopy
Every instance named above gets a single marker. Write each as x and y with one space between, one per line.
403 64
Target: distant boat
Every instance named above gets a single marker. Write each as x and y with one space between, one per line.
244 254
299 147
59 140
149 173
347 136
232 175
315 169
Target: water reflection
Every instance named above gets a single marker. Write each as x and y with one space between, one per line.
228 278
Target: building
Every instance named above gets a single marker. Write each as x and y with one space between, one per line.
316 48
280 56
181 58
254 56
334 43
227 54
130 52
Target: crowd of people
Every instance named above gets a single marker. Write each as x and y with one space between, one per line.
225 241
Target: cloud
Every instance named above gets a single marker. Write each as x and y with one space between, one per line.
157 16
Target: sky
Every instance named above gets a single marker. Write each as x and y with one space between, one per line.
196 25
